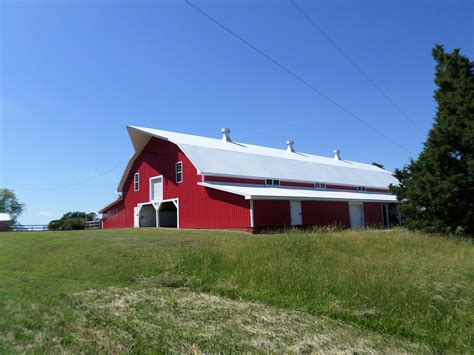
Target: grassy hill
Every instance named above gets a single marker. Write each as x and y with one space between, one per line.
169 290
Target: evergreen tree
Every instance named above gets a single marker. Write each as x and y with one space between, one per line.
437 189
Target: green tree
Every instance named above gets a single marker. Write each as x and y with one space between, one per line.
72 220
437 189
9 204
378 165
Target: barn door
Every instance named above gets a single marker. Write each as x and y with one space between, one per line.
156 189
356 214
136 219
295 213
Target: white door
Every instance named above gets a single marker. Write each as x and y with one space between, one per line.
295 213
156 189
356 215
136 219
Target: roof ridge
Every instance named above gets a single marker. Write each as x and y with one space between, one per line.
330 161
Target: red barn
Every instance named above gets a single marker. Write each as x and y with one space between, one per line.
184 181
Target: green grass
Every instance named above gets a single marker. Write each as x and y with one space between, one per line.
134 290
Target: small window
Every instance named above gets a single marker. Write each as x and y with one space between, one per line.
319 185
136 182
276 182
361 188
272 182
179 172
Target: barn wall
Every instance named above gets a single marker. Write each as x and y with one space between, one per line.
373 189
199 207
234 180
373 214
323 213
116 217
271 213
211 208
297 184
307 185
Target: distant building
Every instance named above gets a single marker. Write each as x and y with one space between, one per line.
185 181
4 221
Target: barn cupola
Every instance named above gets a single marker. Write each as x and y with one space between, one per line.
226 134
289 146
337 154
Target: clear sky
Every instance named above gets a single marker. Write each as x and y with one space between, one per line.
74 73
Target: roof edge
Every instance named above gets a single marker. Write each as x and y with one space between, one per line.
110 205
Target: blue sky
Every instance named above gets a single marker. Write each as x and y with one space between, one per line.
73 74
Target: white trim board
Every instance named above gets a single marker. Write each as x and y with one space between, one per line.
282 193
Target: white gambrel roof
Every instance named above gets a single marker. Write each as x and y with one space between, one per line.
262 192
217 157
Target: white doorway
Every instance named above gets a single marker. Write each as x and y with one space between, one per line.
156 188
168 214
136 218
356 214
295 213
147 216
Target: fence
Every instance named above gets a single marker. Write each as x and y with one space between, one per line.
94 225
28 227
44 227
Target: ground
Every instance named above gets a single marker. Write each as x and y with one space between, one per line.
209 291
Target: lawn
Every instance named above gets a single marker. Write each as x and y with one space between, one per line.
168 290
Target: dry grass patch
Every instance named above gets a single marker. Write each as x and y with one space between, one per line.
180 320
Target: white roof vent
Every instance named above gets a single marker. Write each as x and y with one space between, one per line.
289 145
337 154
226 134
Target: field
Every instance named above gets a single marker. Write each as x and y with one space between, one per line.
210 291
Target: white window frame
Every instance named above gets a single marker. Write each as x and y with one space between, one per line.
361 188
136 182
274 182
180 165
320 185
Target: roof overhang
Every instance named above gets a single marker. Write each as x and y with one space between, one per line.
259 192
110 205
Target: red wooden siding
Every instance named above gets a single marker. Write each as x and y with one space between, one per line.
373 214
323 213
271 213
286 183
116 216
234 180
296 184
209 208
199 207
373 189
341 187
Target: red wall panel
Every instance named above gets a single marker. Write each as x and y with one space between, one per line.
373 189
341 187
199 207
323 213
234 180
271 213
115 216
373 214
297 184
